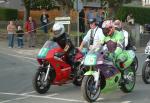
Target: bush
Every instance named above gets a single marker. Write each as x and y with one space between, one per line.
140 14
8 14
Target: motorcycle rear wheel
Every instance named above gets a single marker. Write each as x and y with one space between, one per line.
90 93
39 84
146 72
129 81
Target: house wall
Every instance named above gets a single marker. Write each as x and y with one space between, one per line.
14 4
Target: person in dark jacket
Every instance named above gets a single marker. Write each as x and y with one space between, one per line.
20 34
44 21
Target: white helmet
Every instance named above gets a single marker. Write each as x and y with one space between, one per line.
58 29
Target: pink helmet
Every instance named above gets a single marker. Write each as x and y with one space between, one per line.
107 24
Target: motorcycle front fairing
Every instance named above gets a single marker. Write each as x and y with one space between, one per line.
48 51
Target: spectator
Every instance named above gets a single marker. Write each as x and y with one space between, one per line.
130 19
30 27
11 28
44 21
20 34
82 21
100 17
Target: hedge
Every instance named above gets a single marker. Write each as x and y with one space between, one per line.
8 14
140 14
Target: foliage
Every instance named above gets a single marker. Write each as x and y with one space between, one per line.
116 3
8 14
140 14
43 4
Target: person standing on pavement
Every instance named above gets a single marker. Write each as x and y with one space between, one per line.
11 29
44 21
30 27
20 34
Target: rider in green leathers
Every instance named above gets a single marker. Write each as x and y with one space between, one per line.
114 40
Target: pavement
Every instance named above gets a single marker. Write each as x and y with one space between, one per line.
25 51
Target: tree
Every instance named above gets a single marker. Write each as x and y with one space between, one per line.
67 5
27 9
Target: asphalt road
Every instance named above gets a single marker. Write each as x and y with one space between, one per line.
17 70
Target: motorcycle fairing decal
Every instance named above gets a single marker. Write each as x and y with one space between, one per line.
43 52
108 71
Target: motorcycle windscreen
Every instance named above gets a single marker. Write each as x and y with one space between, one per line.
49 45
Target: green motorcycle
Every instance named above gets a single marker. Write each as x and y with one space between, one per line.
103 76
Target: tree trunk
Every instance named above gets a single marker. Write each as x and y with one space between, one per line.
26 13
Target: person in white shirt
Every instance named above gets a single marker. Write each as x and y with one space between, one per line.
118 26
93 37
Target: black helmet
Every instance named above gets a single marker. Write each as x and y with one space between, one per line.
92 20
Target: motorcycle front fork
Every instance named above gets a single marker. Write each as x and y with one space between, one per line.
47 72
96 78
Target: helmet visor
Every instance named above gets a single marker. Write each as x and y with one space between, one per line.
57 32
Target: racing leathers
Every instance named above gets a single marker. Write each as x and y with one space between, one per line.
116 52
65 43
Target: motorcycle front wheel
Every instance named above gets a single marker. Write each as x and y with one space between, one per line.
90 93
39 84
146 72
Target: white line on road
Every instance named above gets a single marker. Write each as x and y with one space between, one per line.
28 92
14 99
47 97
126 102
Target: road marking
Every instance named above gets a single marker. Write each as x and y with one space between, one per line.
126 102
100 99
45 97
14 99
28 92
52 95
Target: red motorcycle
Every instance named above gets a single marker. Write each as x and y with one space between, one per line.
54 69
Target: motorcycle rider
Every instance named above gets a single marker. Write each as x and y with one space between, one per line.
114 40
93 36
64 41
118 26
128 44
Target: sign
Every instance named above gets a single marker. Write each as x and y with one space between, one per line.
63 20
